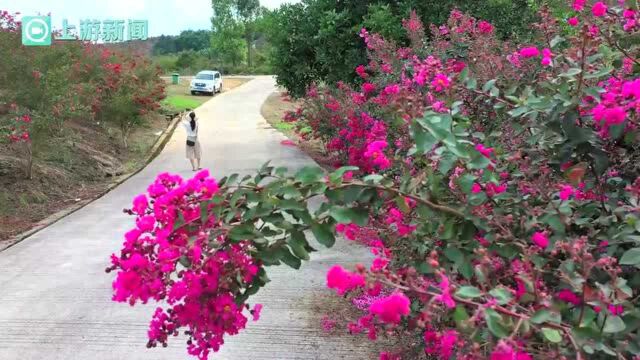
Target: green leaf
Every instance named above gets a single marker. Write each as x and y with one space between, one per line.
556 40
424 140
309 175
571 72
298 243
337 175
502 295
288 258
488 85
540 316
552 335
631 257
614 324
480 162
466 182
323 234
471 84
345 215
460 316
242 232
519 111
373 179
494 323
468 292
600 73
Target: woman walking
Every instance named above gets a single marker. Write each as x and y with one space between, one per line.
193 145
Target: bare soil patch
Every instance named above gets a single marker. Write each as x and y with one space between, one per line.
72 167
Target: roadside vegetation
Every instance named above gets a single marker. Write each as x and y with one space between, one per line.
490 167
73 118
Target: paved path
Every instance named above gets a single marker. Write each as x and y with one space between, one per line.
55 297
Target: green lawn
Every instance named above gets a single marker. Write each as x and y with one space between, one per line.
179 97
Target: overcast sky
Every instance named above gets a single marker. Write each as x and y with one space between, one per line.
167 17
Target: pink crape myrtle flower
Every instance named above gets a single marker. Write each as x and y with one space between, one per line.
485 27
599 9
440 83
529 52
445 295
342 281
573 21
442 345
368 88
504 351
391 309
540 239
578 5
392 89
569 296
485 151
616 310
362 71
256 312
566 192
547 57
376 154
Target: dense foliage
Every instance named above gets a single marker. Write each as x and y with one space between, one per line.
496 184
69 81
187 40
318 40
238 34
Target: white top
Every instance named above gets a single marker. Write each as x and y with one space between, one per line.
187 127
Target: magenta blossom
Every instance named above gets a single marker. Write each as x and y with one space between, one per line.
445 295
569 296
440 83
616 310
540 239
485 151
368 88
529 52
578 5
599 9
342 281
573 21
485 27
391 309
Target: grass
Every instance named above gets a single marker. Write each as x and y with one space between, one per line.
179 97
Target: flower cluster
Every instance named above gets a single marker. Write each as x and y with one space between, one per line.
172 256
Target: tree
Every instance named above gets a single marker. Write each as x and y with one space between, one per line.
227 36
318 40
248 11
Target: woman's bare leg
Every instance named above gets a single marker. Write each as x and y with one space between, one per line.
193 164
198 161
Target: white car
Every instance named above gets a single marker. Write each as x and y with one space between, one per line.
209 82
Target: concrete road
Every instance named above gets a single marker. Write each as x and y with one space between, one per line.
55 296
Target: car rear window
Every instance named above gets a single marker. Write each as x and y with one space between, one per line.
204 77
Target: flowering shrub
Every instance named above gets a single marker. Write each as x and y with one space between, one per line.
70 80
530 163
497 185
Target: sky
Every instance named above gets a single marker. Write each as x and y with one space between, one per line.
167 17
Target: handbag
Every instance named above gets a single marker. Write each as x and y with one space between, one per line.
191 143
